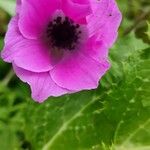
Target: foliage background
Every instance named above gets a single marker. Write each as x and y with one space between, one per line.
116 116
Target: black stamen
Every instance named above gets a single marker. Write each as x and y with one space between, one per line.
63 33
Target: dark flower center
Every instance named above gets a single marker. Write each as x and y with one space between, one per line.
63 33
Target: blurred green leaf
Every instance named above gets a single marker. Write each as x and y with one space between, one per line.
8 6
148 29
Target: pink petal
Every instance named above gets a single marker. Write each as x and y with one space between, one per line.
104 21
81 2
31 55
35 15
42 85
18 5
96 49
12 37
78 72
76 10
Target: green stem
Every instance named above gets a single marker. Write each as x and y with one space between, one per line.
136 23
8 77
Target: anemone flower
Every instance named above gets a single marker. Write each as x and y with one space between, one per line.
61 46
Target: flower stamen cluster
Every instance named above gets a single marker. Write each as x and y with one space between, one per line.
63 33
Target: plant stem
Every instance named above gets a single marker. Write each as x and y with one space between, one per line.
8 77
136 23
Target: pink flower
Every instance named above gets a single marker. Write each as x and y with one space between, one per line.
61 46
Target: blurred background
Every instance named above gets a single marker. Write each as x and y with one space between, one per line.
116 116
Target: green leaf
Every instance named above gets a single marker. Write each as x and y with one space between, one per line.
148 29
8 6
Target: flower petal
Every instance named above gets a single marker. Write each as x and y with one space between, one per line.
31 55
78 72
95 49
104 21
81 2
35 15
18 5
42 85
75 9
12 37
